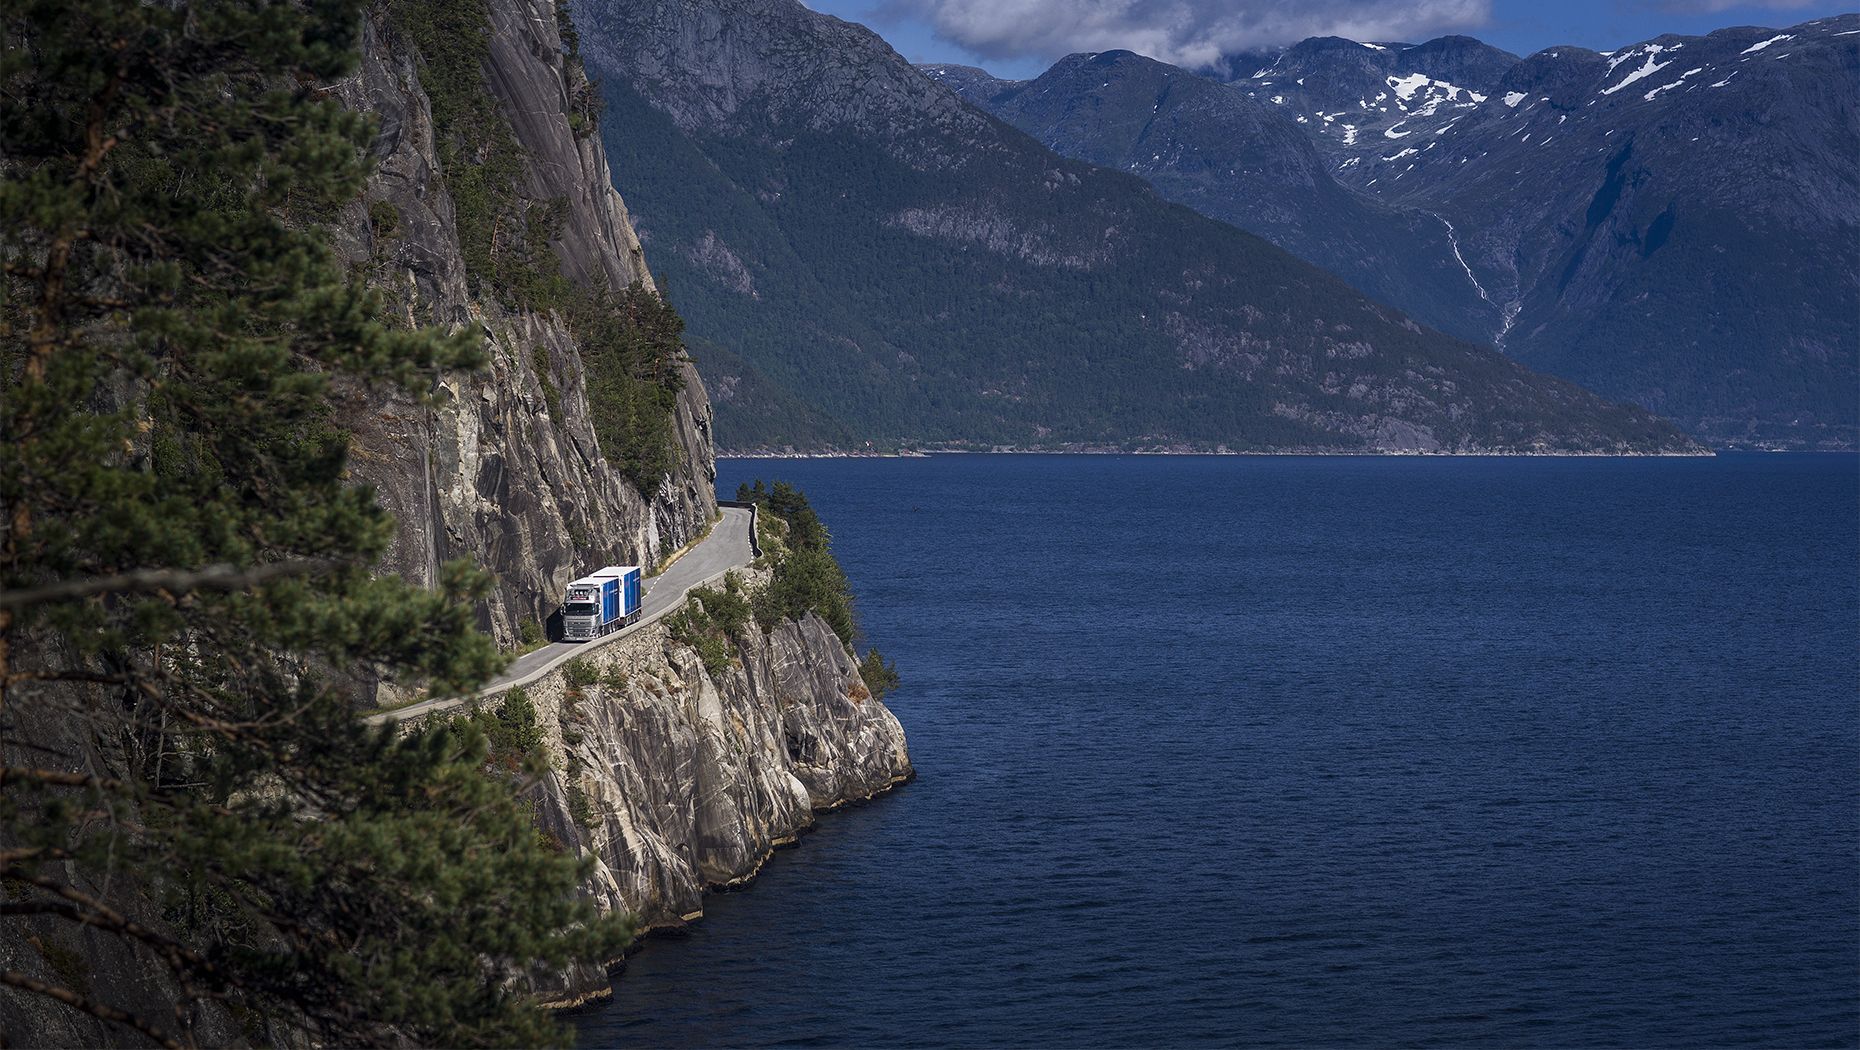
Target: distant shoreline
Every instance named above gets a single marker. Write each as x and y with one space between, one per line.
1382 454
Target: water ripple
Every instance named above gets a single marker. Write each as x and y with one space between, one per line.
1328 752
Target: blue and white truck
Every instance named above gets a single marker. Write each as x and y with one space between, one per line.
601 602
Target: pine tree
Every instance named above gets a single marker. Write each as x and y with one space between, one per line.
187 608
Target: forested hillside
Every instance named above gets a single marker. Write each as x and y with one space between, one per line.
881 255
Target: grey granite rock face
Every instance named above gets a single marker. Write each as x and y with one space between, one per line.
690 781
489 471
693 780
734 64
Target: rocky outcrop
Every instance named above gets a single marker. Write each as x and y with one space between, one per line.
490 469
677 781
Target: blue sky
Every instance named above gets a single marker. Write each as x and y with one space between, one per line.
1020 38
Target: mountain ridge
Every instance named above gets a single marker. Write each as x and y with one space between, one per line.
922 273
1573 189
1196 141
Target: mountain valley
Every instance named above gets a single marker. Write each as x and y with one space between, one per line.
1676 223
856 249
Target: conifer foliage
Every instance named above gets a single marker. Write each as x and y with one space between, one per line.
804 575
187 611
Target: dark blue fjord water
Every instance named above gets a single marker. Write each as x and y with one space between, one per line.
1322 752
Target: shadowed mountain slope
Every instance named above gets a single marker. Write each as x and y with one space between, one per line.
918 272
1676 223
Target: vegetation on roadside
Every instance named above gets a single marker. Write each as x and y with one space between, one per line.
513 739
804 577
530 636
712 622
577 675
797 550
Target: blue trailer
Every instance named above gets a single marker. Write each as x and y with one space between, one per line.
601 602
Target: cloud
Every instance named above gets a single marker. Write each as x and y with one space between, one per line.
1184 32
1715 6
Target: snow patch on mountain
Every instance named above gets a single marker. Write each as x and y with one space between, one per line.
1405 87
1760 45
1647 69
1668 87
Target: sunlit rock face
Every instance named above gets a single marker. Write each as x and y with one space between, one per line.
689 781
487 470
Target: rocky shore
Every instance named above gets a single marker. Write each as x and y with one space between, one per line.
678 781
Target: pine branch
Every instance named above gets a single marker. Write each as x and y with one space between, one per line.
171 581
57 778
103 1011
176 801
86 910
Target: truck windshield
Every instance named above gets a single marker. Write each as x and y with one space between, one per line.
580 609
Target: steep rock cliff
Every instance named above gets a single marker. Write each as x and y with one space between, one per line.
673 780
493 470
678 781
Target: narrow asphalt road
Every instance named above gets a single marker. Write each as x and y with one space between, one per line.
726 548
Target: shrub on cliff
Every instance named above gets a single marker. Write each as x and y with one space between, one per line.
633 354
580 673
810 580
511 733
187 611
804 576
711 623
880 676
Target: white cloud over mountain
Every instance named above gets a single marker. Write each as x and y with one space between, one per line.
1184 32
1714 6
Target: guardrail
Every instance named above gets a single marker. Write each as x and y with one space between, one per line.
754 508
